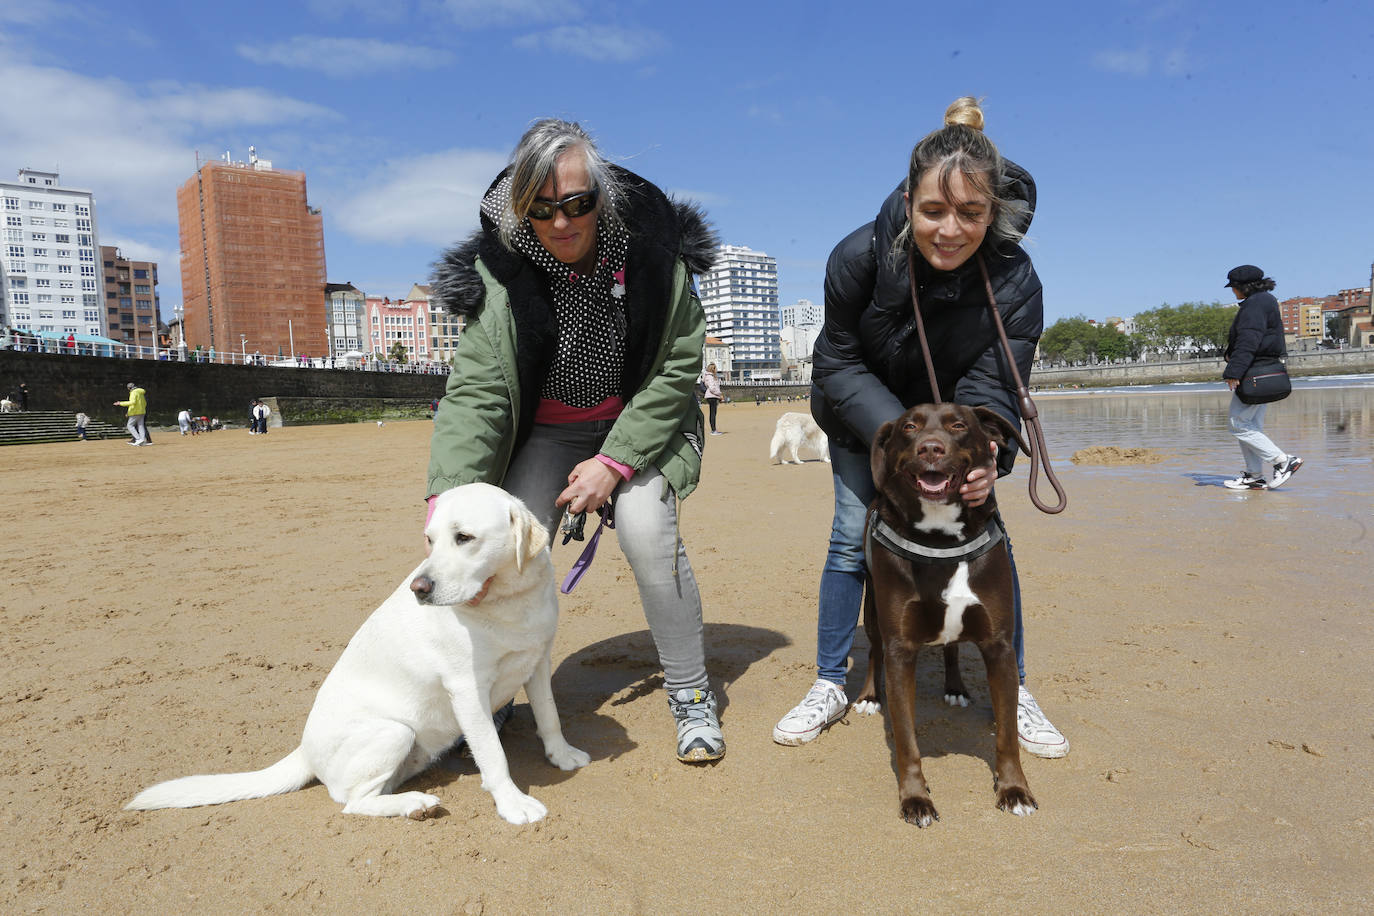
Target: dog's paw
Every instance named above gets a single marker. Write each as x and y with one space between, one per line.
1016 800
919 811
516 807
567 757
867 707
956 699
422 806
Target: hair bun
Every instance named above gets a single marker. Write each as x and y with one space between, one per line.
965 111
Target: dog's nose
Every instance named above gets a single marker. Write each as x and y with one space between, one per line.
422 585
931 448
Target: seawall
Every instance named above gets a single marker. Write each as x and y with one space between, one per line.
93 383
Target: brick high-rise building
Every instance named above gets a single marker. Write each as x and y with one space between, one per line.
252 260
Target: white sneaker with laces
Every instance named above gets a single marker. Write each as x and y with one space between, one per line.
823 705
1037 735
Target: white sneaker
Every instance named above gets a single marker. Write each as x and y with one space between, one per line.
824 704
1037 735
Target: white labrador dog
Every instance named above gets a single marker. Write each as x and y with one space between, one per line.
471 626
8 406
794 431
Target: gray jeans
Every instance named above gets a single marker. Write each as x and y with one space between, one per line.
137 427
1260 452
646 527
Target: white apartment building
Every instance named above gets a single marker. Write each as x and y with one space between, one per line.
48 269
802 314
740 295
346 319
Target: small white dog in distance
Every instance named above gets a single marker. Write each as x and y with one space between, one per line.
794 431
8 406
465 631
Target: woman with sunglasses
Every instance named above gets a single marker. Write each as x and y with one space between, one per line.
961 203
573 382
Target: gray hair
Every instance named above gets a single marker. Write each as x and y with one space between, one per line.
962 145
534 160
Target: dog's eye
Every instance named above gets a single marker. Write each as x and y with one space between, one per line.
908 427
958 426
461 538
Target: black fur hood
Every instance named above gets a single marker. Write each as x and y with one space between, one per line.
655 222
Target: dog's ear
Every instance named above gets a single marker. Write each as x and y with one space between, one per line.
529 534
1000 429
877 455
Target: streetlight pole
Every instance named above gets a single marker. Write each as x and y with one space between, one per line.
243 348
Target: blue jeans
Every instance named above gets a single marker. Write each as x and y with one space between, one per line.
645 526
1260 453
842 578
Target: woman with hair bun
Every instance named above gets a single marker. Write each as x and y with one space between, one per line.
961 198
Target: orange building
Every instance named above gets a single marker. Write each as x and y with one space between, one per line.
252 260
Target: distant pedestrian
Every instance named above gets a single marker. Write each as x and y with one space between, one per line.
137 405
81 421
711 391
1256 332
184 421
71 343
23 396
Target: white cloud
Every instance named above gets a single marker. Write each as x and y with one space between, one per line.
600 43
168 260
472 14
343 57
131 144
431 198
1142 62
1130 63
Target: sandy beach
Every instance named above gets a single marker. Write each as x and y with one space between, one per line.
172 610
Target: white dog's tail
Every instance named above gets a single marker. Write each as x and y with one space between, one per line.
775 447
286 775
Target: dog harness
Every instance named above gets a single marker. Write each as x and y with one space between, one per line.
880 531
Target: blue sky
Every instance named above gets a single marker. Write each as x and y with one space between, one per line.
1170 140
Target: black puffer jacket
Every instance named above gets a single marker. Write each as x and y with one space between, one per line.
1257 330
868 366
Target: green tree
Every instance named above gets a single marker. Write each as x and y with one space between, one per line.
1064 334
1111 344
397 353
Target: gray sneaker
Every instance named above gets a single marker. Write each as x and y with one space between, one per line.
699 739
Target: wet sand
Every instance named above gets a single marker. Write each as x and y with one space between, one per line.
172 610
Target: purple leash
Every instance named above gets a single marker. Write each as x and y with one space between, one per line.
584 562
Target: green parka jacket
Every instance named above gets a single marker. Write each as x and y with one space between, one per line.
508 343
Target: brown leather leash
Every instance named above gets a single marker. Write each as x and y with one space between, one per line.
1035 435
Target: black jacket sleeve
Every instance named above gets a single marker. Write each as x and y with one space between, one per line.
856 395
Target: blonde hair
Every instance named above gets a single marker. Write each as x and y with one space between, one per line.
961 145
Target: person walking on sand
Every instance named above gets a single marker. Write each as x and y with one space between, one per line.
1256 332
137 405
574 381
184 421
711 382
961 204
81 421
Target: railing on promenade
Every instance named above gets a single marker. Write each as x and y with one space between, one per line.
113 350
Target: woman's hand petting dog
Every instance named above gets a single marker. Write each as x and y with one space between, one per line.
978 485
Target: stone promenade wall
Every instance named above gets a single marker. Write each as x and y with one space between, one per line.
93 383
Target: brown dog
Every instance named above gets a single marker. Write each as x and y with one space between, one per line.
939 575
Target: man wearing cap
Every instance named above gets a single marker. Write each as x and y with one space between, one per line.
137 410
1256 332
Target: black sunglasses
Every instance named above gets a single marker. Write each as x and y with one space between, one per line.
573 206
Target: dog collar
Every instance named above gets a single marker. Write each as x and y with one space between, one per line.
886 535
